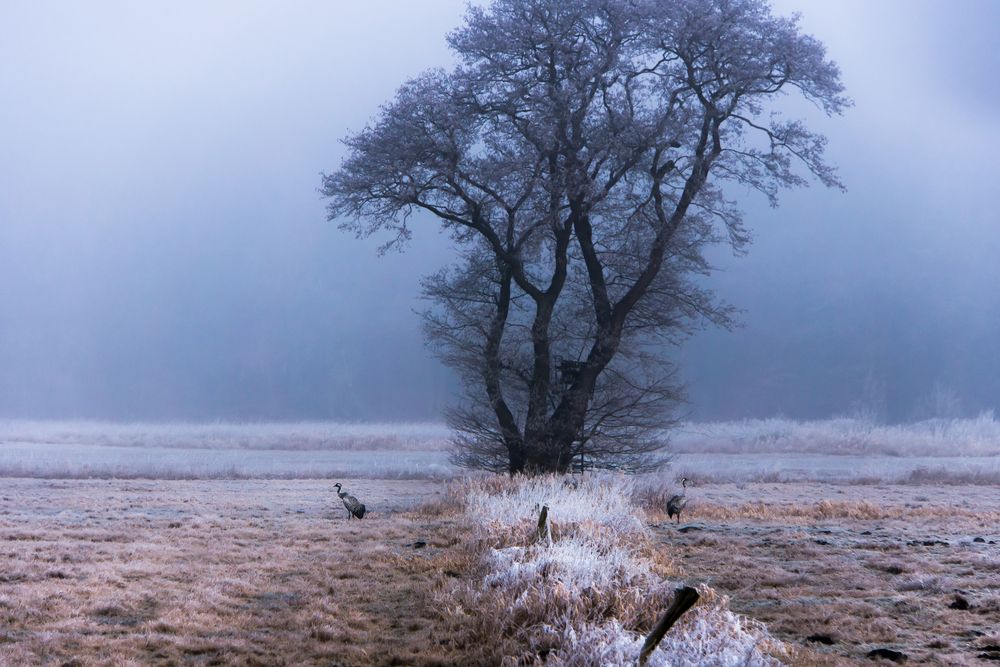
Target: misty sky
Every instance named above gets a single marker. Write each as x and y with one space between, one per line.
164 252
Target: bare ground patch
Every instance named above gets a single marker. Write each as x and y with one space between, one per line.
863 567
223 572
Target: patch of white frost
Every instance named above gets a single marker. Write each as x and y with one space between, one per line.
712 638
598 558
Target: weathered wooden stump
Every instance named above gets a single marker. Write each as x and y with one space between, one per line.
542 532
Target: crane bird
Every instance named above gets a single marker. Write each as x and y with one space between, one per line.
677 503
353 505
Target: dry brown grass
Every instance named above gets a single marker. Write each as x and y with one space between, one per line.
504 619
868 567
588 591
201 573
270 572
832 510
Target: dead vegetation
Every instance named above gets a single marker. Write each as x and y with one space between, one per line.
832 510
201 573
289 436
269 572
588 587
978 436
840 571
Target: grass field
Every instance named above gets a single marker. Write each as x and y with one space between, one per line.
978 436
260 572
964 451
224 544
219 572
863 566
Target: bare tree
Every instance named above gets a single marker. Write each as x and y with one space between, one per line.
578 156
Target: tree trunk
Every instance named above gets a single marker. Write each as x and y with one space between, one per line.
515 457
543 457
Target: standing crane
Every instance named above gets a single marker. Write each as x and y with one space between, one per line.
677 503
355 508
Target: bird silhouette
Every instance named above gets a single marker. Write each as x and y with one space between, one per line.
354 507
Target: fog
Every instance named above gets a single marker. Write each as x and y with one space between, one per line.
164 252
883 299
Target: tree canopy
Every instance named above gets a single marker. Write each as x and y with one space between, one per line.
579 156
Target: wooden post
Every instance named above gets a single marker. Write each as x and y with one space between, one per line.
684 599
542 518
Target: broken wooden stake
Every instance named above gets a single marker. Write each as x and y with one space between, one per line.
684 599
